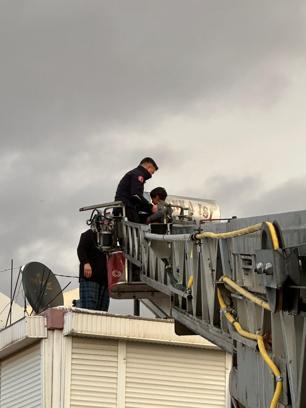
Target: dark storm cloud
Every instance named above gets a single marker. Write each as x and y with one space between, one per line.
69 69
77 78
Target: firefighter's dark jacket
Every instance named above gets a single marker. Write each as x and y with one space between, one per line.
89 253
130 190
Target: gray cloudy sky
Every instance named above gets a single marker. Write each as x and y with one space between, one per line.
213 90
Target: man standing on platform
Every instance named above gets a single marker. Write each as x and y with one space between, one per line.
130 191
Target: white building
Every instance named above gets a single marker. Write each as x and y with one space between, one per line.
17 311
81 359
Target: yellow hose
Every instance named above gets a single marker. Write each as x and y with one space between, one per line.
237 233
273 235
232 320
261 348
243 231
231 234
244 333
245 293
275 370
190 282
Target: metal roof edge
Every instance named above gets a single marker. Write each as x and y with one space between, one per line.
21 334
82 324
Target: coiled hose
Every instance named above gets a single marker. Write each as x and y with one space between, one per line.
261 346
225 279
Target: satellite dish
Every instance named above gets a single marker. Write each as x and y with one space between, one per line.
41 287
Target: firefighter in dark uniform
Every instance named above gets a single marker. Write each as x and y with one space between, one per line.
130 191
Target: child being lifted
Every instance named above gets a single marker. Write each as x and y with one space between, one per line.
164 211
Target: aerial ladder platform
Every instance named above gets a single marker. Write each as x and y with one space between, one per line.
239 282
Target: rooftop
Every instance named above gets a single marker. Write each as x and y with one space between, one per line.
87 323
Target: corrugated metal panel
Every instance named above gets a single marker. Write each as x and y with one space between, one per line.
86 323
21 380
31 327
163 376
94 369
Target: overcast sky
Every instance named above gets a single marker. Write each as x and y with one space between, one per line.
213 90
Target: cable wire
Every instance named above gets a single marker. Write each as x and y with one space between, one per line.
9 269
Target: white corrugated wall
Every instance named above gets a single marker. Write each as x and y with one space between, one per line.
159 376
21 380
94 371
126 374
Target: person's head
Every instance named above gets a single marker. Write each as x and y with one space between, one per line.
149 164
158 194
